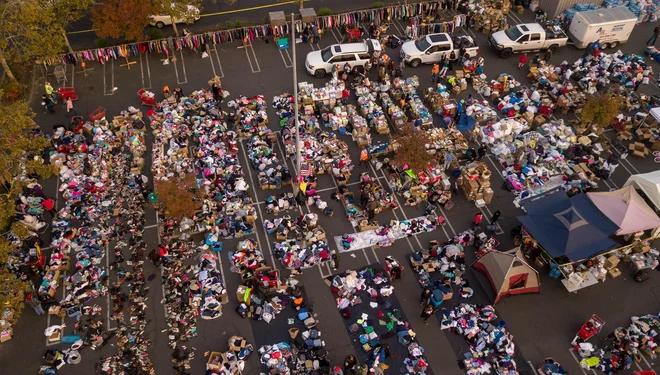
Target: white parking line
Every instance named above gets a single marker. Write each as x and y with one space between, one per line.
400 29
112 79
261 215
532 367
499 228
570 350
73 75
222 271
107 285
183 68
288 64
151 226
334 35
212 66
217 57
255 59
146 62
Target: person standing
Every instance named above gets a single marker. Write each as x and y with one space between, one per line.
154 257
364 156
349 363
457 184
315 34
49 205
496 216
522 61
426 313
478 217
49 90
654 37
481 151
445 66
425 299
434 72
48 103
344 96
69 108
34 302
335 260
547 56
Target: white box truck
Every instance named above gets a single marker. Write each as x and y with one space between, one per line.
609 26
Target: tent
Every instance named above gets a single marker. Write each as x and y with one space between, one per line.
627 209
508 273
649 183
571 227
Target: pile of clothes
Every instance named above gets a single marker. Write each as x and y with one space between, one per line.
247 257
628 346
491 345
441 265
354 288
251 114
171 129
273 172
209 292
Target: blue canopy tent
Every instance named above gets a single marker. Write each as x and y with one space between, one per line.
571 227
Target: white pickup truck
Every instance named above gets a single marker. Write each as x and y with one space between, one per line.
431 48
527 37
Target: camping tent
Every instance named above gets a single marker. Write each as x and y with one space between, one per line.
508 273
571 227
627 209
649 183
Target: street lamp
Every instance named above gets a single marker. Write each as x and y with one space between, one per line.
295 97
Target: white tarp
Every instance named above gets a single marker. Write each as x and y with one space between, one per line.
649 183
655 112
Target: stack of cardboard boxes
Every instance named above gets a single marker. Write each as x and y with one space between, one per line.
476 183
6 321
610 265
493 18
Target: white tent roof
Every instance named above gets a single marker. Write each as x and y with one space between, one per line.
649 183
626 209
655 112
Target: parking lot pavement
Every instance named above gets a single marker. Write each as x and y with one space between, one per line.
543 324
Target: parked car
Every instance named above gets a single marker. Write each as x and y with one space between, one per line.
192 15
526 37
319 63
431 48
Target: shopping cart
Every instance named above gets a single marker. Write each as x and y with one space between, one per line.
98 114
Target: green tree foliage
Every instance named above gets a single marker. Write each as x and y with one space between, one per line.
27 31
65 12
601 110
411 148
20 155
122 18
20 159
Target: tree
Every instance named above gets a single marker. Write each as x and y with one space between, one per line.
65 12
27 32
178 9
176 197
20 157
122 18
601 110
411 148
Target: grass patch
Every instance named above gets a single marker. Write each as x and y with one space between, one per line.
378 4
325 12
154 33
102 43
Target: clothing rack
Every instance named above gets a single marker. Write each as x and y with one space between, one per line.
200 42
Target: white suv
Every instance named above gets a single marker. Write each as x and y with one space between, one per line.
319 63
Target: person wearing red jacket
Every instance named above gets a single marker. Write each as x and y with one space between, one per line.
49 205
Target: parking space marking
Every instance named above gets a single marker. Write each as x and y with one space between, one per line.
107 284
73 74
146 84
532 367
499 228
261 214
112 79
570 350
248 45
212 65
288 64
183 68
222 271
398 26
217 57
334 35
645 360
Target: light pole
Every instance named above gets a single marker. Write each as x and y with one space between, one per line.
295 96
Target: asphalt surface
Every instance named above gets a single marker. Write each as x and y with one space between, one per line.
216 14
543 324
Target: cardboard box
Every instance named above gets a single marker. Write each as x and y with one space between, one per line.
614 273
216 359
241 293
236 343
611 262
539 120
638 149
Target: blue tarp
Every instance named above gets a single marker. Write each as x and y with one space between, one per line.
571 227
